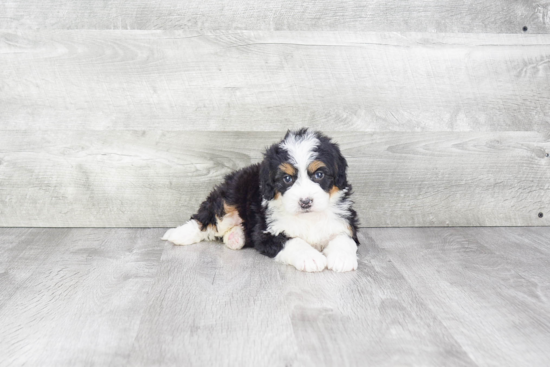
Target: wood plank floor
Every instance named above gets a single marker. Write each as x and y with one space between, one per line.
421 296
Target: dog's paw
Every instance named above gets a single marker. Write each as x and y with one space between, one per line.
341 261
234 238
302 256
186 234
310 261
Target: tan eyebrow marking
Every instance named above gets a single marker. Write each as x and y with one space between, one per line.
314 166
287 168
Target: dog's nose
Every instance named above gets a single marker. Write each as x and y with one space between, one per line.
306 203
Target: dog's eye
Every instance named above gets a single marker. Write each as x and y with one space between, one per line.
319 175
287 178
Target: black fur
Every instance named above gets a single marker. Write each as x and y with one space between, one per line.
242 190
329 153
271 177
246 188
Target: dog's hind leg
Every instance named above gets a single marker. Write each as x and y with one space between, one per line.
214 219
230 227
188 233
203 224
234 238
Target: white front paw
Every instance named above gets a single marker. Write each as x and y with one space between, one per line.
302 256
341 261
310 261
186 234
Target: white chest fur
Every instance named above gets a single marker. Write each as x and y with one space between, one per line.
316 228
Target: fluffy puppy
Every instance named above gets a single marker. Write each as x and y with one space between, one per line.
294 206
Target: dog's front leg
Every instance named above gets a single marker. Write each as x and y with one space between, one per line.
341 253
302 256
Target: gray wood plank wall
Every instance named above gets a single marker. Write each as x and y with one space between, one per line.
158 178
127 114
272 81
465 16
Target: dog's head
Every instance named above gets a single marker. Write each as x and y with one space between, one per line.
305 171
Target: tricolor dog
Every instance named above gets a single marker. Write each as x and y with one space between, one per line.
294 206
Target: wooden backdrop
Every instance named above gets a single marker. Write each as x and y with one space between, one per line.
127 113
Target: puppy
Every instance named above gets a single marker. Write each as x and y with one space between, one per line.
294 206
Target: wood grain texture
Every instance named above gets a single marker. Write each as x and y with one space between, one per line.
212 306
528 262
241 308
422 296
154 178
466 283
84 298
269 81
500 16
370 317
22 252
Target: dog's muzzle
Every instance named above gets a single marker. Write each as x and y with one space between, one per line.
306 203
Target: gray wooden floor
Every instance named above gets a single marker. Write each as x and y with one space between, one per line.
422 296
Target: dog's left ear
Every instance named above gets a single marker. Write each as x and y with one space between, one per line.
341 167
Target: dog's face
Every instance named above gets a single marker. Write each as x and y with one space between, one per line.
305 171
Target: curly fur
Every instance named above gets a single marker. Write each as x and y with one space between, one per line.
308 222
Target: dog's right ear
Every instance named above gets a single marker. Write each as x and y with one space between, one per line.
266 182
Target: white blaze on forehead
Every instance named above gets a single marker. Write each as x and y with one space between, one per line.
301 149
